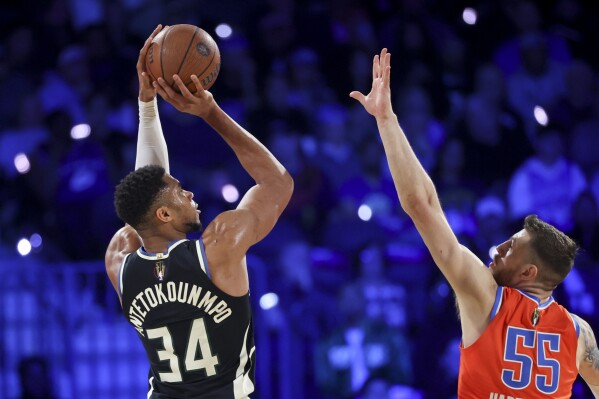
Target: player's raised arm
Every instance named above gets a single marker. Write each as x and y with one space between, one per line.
151 150
274 185
151 145
471 280
587 356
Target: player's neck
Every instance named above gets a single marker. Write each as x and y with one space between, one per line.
540 292
158 241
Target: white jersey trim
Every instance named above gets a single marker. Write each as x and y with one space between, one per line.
146 255
242 385
151 387
121 271
200 257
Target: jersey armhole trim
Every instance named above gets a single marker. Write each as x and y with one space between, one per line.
498 302
576 325
121 271
202 257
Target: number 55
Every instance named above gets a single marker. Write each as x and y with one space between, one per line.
518 338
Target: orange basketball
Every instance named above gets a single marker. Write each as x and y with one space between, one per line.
184 50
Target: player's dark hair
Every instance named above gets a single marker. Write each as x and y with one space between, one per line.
137 193
554 250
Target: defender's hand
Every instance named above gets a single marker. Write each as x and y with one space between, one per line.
378 102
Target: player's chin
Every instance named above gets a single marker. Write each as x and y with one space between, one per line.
194 227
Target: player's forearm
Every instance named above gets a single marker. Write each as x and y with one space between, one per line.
414 186
151 145
255 158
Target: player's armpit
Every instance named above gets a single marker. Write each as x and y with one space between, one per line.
588 356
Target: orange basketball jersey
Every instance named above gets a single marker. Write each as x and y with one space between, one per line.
527 351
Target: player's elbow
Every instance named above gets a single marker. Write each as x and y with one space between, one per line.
286 186
417 205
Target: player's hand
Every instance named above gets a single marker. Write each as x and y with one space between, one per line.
200 103
378 102
146 90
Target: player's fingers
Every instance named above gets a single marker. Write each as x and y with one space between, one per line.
156 31
184 90
198 84
356 95
163 90
142 53
150 38
374 63
166 88
387 76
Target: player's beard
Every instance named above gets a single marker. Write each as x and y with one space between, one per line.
194 227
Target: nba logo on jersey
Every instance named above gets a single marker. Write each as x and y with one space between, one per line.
159 270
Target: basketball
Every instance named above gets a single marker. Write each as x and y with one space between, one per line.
184 50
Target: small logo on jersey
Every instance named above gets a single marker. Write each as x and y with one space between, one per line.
160 270
536 315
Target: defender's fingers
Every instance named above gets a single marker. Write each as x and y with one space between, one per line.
387 76
356 95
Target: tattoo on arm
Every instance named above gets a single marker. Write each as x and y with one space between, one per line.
591 352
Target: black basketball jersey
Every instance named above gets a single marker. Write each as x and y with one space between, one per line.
198 339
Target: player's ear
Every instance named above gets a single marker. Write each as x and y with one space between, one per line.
530 272
163 214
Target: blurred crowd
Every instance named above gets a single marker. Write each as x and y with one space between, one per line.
499 100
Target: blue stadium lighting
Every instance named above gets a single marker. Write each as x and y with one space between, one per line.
364 212
22 163
541 116
24 247
230 193
35 240
269 300
492 251
80 131
224 31
469 15
443 289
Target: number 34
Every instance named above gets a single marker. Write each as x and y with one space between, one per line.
543 344
197 337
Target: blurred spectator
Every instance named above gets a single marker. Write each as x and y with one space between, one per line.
308 89
547 183
574 22
584 141
425 132
358 349
538 82
493 226
371 185
308 311
68 87
36 379
19 72
578 103
239 67
585 214
456 191
527 22
490 129
335 153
